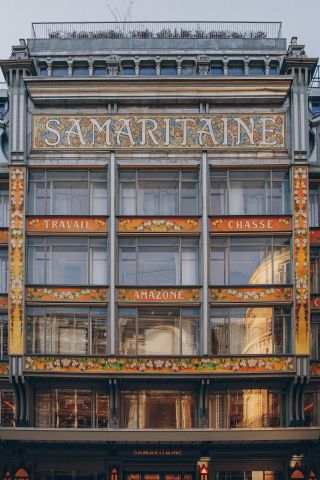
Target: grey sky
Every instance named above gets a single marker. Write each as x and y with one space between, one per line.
300 17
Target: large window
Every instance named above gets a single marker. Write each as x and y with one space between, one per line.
251 330
312 407
159 331
66 192
71 408
250 475
4 270
66 330
4 205
314 193
245 260
315 337
315 269
3 336
157 409
67 261
7 408
158 261
153 192
249 193
250 408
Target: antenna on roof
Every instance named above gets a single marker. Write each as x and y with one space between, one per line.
122 14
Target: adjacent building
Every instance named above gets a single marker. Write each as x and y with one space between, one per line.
159 257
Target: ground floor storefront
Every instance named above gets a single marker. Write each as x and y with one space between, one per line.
130 460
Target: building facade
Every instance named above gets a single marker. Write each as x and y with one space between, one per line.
160 246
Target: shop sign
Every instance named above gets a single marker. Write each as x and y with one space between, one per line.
157 453
158 295
202 131
250 224
64 225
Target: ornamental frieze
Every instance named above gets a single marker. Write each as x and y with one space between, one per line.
315 369
66 294
250 224
301 259
158 295
3 302
250 295
65 225
160 365
4 236
315 236
158 225
4 369
16 260
209 131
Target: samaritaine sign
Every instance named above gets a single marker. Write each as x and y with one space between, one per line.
205 131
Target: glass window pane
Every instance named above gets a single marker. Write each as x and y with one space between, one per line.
98 198
158 266
98 266
129 410
127 334
127 266
4 205
69 265
99 334
190 336
189 257
158 332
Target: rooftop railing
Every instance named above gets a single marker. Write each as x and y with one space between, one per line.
143 30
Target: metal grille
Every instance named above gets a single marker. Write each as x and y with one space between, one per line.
145 30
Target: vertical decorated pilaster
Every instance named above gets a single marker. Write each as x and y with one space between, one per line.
301 259
16 260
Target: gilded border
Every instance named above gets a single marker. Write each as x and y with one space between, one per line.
66 294
301 259
250 295
160 365
16 260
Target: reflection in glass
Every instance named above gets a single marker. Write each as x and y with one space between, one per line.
312 407
159 331
157 409
158 261
67 261
7 408
66 330
4 205
243 261
315 337
251 330
76 192
144 192
250 408
71 408
4 270
249 193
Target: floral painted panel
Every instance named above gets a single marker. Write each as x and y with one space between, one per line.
315 236
16 260
160 365
315 369
65 225
4 236
209 131
251 295
3 302
158 295
65 295
158 225
250 224
301 259
4 369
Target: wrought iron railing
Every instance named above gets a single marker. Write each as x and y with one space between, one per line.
315 82
157 30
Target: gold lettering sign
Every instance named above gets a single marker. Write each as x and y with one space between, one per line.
157 453
61 225
250 224
158 295
205 131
